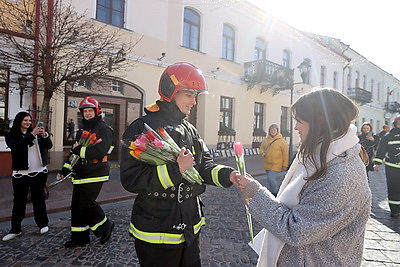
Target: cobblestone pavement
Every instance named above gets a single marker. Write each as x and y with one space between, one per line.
223 239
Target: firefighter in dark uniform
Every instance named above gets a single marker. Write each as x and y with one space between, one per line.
389 154
166 219
89 174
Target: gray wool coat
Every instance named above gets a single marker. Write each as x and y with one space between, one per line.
327 227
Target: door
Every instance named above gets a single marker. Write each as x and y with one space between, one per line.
111 117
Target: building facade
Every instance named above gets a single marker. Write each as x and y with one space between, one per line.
255 66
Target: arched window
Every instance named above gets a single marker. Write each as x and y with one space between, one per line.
260 49
228 43
191 29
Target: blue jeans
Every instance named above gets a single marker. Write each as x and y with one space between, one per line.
271 180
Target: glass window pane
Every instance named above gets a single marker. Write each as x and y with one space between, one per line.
118 5
102 14
117 18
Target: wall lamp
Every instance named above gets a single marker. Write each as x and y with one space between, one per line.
22 82
162 56
216 70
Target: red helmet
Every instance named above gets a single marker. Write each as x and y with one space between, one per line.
181 75
90 102
395 120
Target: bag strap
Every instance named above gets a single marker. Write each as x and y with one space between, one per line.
269 145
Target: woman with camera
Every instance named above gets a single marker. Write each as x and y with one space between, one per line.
29 164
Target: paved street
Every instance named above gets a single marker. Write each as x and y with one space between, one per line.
223 240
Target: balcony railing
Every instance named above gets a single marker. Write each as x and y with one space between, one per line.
392 106
268 74
359 95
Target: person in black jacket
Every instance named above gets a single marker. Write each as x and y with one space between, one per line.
167 214
89 174
389 154
370 142
29 164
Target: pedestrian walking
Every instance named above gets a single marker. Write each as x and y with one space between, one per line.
389 154
167 214
29 164
275 152
71 130
370 142
89 173
385 130
320 214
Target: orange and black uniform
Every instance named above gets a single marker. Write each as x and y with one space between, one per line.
90 172
167 214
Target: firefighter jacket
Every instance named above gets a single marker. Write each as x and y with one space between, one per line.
389 149
168 213
92 166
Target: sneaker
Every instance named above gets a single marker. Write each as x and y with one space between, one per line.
10 236
104 238
44 230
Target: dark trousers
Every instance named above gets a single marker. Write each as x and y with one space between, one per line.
393 187
21 187
86 213
153 255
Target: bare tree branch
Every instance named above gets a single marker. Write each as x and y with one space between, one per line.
78 48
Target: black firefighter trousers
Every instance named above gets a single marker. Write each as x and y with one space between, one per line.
86 213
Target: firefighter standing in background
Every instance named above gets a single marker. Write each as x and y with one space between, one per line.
90 172
167 213
389 154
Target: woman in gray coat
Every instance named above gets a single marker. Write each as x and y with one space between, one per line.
322 207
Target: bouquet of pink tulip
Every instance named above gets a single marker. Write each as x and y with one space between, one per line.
158 148
239 155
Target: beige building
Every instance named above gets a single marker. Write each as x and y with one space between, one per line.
255 66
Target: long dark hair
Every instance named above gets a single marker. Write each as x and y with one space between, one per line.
329 114
16 126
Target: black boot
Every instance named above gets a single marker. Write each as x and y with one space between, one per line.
107 234
73 244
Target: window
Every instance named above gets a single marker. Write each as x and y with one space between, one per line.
260 50
4 78
117 86
372 87
258 116
349 78
323 74
364 82
286 58
228 43
379 92
111 12
285 121
191 29
226 112
357 79
335 80
84 83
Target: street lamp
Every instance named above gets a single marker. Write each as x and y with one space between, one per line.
22 82
304 69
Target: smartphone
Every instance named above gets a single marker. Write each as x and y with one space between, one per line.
40 124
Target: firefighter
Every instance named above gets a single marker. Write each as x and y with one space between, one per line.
89 174
389 154
166 219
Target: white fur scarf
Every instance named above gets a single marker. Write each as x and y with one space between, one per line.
289 193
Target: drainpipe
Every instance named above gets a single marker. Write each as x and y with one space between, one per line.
35 59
